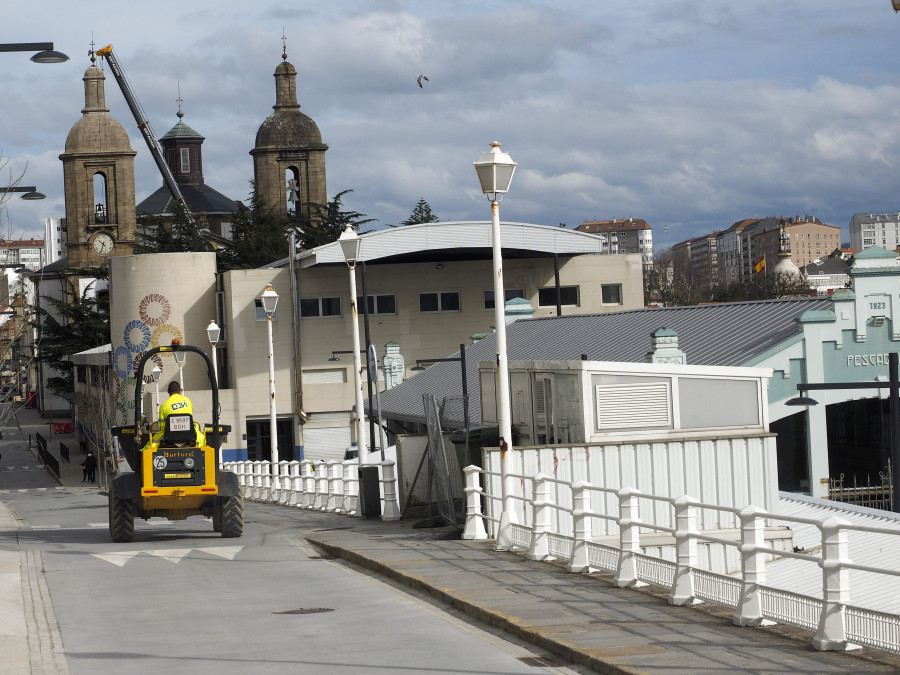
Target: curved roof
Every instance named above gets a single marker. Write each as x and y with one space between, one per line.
457 239
288 129
96 131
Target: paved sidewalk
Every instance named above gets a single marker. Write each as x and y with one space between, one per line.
581 618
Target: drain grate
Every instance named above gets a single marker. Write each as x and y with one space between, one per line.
305 610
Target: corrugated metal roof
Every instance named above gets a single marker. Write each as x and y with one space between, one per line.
873 591
727 334
452 236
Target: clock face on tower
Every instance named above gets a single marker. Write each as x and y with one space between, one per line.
102 244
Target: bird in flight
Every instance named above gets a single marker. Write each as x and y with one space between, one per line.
420 78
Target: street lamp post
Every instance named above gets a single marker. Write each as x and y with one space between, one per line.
45 52
269 300
155 373
350 245
29 190
495 170
213 332
179 359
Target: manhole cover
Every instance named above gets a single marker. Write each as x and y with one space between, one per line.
305 610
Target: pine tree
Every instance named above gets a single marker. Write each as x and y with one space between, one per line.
178 233
421 214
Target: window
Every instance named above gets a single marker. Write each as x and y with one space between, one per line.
185 160
509 294
439 302
317 307
379 304
611 294
568 296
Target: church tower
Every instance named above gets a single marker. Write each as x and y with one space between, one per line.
289 157
98 171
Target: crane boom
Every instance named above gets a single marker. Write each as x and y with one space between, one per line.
143 125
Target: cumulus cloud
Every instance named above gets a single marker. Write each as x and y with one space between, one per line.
692 114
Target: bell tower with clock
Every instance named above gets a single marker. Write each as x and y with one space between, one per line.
98 169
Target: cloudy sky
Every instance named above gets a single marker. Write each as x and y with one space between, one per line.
691 114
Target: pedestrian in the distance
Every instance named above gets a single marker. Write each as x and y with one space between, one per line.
83 468
90 467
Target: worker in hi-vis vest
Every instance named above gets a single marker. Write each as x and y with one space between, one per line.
176 404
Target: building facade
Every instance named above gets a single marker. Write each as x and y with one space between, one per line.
875 229
629 235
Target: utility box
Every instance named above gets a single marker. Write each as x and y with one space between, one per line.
369 492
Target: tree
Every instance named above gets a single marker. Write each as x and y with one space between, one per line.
331 220
83 324
421 214
178 233
257 236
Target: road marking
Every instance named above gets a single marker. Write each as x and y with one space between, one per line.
46 527
173 555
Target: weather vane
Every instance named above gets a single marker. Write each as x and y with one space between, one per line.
283 45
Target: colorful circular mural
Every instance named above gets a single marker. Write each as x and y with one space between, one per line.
154 309
137 336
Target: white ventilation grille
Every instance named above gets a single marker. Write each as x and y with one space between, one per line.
629 406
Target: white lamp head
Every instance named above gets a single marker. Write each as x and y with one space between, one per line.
350 245
495 170
269 300
213 332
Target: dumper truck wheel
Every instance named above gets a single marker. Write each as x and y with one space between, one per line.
121 517
232 509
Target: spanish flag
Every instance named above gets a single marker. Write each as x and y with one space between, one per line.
761 265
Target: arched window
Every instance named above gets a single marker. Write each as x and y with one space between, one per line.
101 207
292 179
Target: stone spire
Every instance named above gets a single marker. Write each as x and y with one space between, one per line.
94 92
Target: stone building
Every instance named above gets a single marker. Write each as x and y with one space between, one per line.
181 147
289 156
98 171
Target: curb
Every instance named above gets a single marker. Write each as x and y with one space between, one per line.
509 624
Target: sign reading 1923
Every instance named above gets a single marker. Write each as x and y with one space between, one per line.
856 360
877 305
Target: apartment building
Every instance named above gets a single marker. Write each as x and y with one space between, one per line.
629 235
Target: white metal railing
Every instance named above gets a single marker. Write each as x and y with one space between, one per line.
322 486
544 529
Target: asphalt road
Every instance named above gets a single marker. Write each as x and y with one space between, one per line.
180 598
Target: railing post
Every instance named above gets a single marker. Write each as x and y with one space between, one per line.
351 486
682 592
284 481
832 632
581 526
629 538
335 471
541 502
321 502
294 482
391 510
753 566
309 483
474 528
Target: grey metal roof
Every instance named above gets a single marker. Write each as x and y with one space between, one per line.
727 334
454 236
200 198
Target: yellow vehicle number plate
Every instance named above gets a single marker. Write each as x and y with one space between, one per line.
173 476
